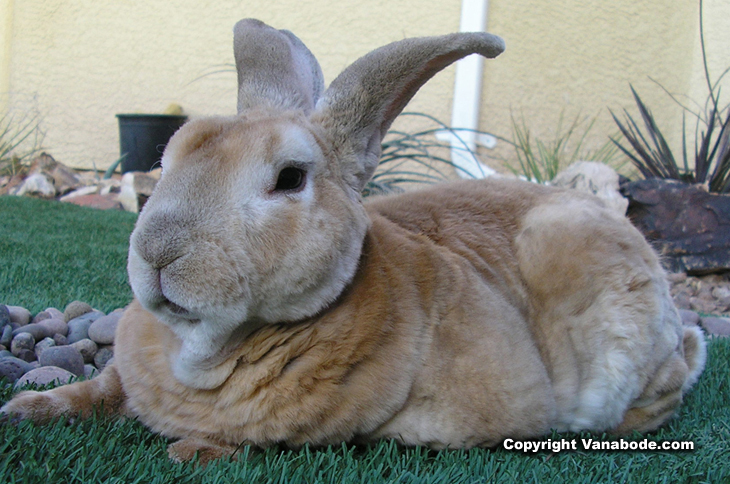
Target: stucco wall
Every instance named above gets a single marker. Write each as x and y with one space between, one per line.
82 62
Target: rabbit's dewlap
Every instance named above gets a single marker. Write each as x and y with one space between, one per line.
272 306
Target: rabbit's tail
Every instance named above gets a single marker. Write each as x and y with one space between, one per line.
664 393
103 394
695 354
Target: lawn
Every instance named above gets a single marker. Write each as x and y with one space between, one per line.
52 253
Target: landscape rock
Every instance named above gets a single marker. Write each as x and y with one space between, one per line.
66 357
78 328
689 225
100 202
4 315
136 187
102 357
6 337
19 315
39 332
86 348
596 178
54 313
45 375
36 185
55 325
90 371
102 330
22 341
27 355
76 309
40 317
716 326
60 339
43 345
689 318
13 368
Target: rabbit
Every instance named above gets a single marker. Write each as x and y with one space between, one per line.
273 306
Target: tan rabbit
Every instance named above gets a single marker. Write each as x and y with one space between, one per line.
273 306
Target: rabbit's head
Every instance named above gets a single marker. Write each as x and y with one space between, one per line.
257 218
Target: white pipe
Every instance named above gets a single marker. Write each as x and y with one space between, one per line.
467 98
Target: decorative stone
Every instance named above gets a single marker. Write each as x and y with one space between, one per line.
6 337
55 325
90 371
45 375
38 184
55 313
716 326
35 329
27 355
22 341
76 309
4 315
13 368
40 317
100 202
102 330
78 328
60 340
87 348
43 345
102 357
689 318
689 225
66 357
5 354
19 315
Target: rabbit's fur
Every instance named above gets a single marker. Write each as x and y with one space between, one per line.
454 316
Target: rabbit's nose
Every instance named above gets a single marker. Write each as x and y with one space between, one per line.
161 240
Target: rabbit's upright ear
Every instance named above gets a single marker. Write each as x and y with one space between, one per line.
274 68
361 103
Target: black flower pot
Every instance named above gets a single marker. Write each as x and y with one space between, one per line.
142 138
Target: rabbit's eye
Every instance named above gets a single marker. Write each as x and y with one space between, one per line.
290 178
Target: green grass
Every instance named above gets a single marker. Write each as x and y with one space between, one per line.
53 253
119 450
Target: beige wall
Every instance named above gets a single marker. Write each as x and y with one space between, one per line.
83 61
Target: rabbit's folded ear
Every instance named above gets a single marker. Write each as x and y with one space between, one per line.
361 103
274 68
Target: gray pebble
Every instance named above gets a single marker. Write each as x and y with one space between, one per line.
716 326
4 315
90 371
7 335
102 357
102 330
27 355
689 318
55 325
5 353
66 357
39 332
40 317
45 375
19 315
34 364
55 313
3 348
22 341
78 328
60 339
76 309
87 348
43 345
13 368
